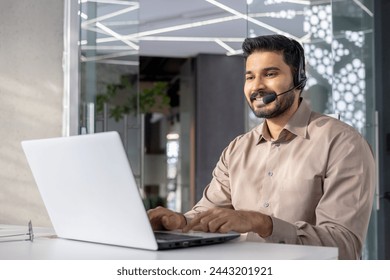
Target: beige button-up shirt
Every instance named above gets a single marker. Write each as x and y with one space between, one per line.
316 181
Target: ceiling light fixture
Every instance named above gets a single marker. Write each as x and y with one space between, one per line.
119 62
143 34
224 45
190 39
364 8
126 23
82 15
119 2
235 52
104 57
118 36
110 15
246 17
182 26
107 48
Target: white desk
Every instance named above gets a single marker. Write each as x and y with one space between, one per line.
44 248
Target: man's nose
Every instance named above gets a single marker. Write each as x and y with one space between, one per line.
258 84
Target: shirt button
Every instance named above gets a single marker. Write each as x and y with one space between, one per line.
270 173
266 204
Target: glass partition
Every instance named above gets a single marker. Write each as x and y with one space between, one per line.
108 73
353 91
338 40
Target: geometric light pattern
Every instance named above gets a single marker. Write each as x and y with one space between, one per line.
339 50
357 37
318 22
349 93
285 14
348 83
320 59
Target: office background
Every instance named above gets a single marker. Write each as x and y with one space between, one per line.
37 86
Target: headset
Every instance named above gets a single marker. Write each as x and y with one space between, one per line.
300 75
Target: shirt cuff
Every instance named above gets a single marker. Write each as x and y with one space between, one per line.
282 232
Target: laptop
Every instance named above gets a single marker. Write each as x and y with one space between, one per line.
90 194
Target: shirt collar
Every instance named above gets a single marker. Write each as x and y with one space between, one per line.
297 124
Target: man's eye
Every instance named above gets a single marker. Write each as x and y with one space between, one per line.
248 78
270 74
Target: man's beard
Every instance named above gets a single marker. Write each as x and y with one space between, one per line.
281 105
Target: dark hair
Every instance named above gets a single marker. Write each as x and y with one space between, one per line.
292 51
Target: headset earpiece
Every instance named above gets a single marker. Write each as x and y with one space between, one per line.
300 75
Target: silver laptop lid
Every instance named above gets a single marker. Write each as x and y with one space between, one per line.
89 190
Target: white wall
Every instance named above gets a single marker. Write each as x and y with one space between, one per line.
31 90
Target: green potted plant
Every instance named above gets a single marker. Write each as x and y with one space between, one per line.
122 99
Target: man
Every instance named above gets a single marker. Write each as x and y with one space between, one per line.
298 178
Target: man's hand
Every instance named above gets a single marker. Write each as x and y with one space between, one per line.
164 219
224 220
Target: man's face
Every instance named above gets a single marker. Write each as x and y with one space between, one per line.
267 73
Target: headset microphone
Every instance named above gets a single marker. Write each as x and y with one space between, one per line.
272 97
269 98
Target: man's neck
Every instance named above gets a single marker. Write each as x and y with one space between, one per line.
276 125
